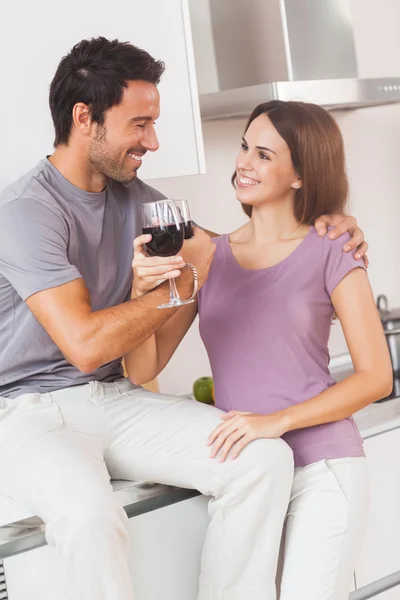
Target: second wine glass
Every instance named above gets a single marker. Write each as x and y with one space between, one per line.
184 211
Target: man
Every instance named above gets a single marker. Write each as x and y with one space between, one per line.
68 420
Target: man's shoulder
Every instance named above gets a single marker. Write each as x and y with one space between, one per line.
29 187
31 202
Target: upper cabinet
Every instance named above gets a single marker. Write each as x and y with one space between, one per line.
36 35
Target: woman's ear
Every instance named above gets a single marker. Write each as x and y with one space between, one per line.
297 184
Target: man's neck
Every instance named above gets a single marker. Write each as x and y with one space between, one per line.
74 167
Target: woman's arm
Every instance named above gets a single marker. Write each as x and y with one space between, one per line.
372 380
145 362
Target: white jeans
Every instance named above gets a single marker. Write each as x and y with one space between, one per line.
324 529
58 451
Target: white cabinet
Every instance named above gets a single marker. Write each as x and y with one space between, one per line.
36 35
380 555
166 550
164 559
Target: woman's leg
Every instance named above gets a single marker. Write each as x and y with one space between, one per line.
324 529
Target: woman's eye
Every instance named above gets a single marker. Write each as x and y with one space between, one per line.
244 147
263 156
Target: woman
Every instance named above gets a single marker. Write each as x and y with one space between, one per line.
265 316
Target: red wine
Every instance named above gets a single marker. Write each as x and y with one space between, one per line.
188 230
166 240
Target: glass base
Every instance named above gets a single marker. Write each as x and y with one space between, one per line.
175 303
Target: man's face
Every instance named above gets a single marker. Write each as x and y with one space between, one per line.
128 132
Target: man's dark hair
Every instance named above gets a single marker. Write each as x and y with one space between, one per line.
95 72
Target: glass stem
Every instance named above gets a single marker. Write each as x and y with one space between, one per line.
173 291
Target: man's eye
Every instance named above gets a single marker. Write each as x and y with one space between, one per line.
142 125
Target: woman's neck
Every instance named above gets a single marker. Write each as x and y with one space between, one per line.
272 223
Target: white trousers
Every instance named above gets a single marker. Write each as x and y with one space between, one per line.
58 451
324 529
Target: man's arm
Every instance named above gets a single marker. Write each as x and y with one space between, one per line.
34 259
342 224
89 339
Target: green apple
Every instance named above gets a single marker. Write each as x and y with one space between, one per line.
203 390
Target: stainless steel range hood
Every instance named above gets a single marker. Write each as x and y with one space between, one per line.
251 51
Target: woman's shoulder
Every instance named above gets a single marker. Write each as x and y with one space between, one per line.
328 246
236 236
339 241
240 235
336 261
334 248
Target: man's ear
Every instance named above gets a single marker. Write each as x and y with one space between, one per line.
82 118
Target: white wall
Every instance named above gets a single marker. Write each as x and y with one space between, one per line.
372 140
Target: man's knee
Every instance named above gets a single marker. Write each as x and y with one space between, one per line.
269 457
90 520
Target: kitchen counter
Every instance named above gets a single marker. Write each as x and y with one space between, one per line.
137 498
378 418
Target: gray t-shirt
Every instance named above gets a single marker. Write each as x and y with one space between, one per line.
52 232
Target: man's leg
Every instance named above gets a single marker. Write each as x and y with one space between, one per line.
163 439
60 475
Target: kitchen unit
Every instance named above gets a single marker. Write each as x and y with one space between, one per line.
391 326
379 424
380 554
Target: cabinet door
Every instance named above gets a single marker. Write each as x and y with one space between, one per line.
36 35
166 548
380 555
164 560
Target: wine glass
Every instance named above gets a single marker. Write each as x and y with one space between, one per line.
184 211
162 221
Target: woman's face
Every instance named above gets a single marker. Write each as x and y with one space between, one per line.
264 169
